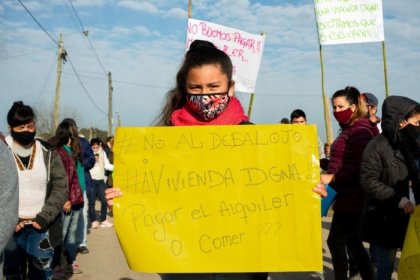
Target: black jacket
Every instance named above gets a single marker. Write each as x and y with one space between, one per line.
384 176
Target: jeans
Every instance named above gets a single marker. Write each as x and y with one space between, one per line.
70 223
344 236
98 190
385 259
81 233
28 250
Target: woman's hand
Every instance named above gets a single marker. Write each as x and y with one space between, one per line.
110 194
326 178
406 205
24 223
321 190
67 206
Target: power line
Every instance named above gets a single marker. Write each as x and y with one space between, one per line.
65 54
83 86
70 14
39 24
77 16
23 54
97 57
47 78
86 33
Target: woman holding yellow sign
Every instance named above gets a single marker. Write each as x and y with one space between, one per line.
204 95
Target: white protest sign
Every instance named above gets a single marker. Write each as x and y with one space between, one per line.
349 21
244 49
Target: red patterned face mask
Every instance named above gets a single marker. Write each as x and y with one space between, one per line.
208 106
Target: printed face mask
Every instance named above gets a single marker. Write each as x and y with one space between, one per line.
208 106
24 138
343 117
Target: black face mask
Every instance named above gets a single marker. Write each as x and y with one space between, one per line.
25 138
411 131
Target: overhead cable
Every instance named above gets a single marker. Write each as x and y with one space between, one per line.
86 33
83 86
39 24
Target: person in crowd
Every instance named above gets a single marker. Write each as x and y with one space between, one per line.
88 161
323 162
102 164
43 190
67 144
389 176
284 121
372 107
343 176
108 148
8 197
204 95
299 117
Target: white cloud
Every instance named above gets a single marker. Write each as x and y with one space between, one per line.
177 13
32 6
139 6
408 8
88 3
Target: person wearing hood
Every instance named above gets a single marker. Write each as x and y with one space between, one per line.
342 175
390 179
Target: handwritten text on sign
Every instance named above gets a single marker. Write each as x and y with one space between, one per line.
349 21
244 49
218 198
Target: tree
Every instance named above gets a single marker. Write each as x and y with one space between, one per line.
45 120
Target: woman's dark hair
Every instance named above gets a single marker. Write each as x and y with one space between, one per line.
353 97
20 114
96 141
200 53
67 130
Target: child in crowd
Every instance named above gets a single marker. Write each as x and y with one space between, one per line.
204 95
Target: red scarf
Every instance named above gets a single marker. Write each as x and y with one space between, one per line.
233 114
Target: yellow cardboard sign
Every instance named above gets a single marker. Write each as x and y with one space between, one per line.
218 198
409 266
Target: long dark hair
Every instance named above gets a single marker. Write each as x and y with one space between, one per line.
200 53
67 130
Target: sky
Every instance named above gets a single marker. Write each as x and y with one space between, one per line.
142 44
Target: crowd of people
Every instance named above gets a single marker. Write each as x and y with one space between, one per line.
50 187
44 199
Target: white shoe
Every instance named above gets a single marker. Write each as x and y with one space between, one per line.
95 224
106 224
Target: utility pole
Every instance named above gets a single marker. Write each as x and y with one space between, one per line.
110 89
61 55
189 9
